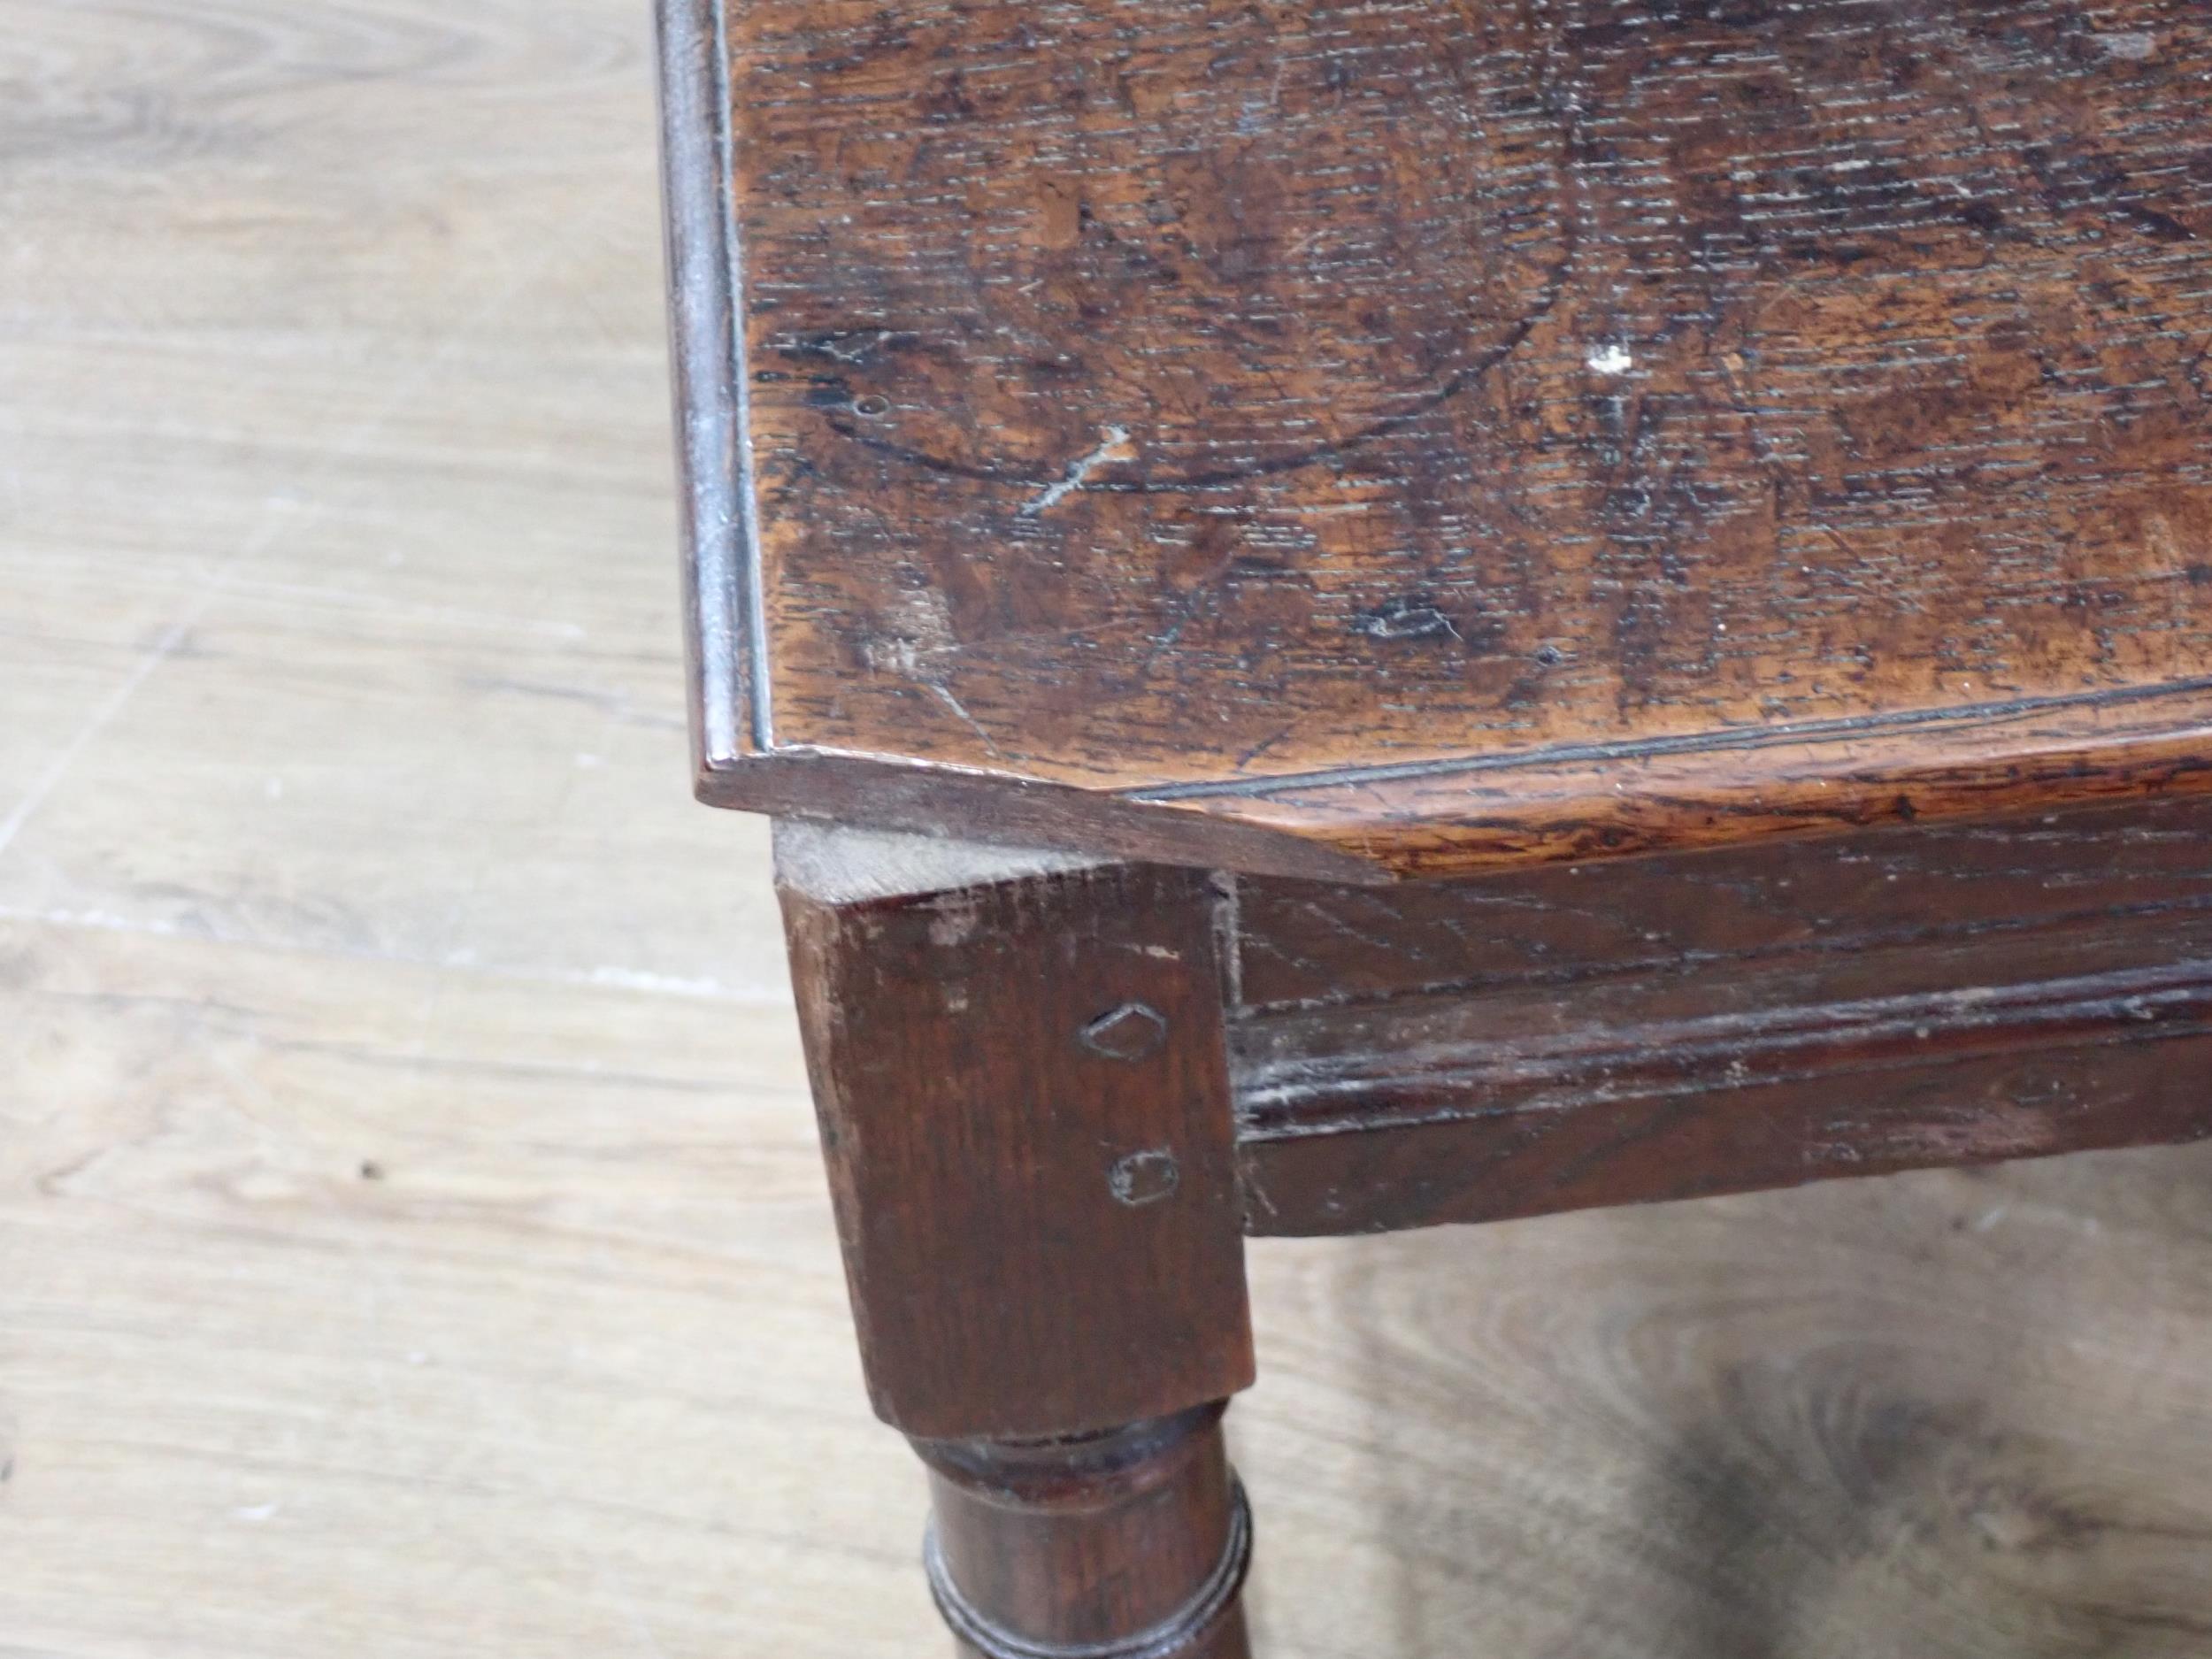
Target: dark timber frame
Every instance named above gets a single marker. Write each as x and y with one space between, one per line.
1599 604
1054 1093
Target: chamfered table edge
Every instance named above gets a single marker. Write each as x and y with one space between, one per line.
1432 817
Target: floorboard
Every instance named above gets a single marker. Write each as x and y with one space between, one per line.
412 1238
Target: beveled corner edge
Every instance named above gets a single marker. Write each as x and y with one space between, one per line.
730 708
886 793
737 760
1449 820
1458 816
1603 802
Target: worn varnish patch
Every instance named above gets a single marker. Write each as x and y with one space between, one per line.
1469 434
1760 1017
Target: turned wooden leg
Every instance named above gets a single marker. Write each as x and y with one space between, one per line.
1020 1072
1130 1543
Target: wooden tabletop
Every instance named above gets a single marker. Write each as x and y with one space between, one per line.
1338 437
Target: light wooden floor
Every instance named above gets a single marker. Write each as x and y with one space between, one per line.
411 1241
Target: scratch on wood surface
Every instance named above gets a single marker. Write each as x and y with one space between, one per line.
1799 394
1115 447
943 693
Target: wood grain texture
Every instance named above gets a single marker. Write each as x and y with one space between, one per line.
1711 1023
1458 436
1856 1462
332 341
1308 945
412 1234
1025 1110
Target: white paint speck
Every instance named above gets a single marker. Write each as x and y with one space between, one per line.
1611 359
257 1512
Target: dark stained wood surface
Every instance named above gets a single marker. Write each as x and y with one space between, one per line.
1020 1056
1024 1101
1308 945
2074 1076
1446 435
1129 1544
1569 1039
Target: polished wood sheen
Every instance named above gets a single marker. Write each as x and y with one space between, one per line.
1131 1543
1322 437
